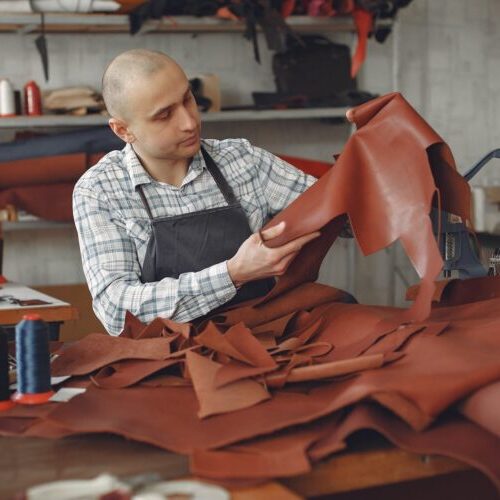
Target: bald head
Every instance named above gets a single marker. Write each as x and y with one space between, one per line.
124 71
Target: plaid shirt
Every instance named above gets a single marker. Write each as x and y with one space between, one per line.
114 228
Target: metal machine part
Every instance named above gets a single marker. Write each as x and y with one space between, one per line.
457 246
457 243
494 267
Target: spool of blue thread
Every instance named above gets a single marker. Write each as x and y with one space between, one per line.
5 402
33 361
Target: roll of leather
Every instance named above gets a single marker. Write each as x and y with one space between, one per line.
43 186
50 202
44 170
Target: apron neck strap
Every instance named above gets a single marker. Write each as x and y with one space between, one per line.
219 179
144 201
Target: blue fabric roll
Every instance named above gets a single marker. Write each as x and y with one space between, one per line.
94 140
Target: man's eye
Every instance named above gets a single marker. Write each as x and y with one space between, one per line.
163 116
188 97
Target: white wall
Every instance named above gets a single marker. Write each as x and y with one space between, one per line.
447 66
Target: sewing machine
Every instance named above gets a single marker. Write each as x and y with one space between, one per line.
458 246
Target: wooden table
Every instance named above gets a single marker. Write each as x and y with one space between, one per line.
53 311
372 462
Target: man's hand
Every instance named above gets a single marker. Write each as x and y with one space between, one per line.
254 260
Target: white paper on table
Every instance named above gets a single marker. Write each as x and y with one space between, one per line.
22 292
66 393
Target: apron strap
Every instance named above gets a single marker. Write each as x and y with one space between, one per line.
144 201
219 179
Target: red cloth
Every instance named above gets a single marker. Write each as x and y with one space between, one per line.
44 186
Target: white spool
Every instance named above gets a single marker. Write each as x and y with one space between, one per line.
479 208
7 101
196 490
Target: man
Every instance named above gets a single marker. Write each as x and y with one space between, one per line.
168 226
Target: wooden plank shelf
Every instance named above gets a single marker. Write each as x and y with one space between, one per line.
51 121
119 23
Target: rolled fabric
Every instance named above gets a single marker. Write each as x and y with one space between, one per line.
45 170
51 201
89 141
43 186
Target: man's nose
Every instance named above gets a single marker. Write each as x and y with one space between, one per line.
187 119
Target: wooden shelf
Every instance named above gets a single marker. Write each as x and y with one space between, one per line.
24 225
50 121
117 23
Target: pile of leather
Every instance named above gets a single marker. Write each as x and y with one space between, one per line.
269 387
38 174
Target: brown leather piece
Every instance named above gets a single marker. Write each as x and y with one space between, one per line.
457 292
269 454
371 186
280 455
15 426
288 302
150 415
454 437
98 350
212 399
483 408
129 372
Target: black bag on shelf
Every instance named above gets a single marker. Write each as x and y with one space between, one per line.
313 66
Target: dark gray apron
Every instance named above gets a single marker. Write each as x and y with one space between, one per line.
197 240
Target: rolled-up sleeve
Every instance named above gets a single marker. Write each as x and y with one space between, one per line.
113 272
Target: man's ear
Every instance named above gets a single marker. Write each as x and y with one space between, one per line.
120 128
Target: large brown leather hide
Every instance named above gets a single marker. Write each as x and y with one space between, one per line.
266 388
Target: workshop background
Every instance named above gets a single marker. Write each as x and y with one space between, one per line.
444 56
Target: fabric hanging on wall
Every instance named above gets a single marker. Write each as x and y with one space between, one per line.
43 186
38 174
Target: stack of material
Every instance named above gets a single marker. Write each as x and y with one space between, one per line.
73 100
229 390
37 175
26 6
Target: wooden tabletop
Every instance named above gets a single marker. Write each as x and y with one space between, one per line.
28 461
51 310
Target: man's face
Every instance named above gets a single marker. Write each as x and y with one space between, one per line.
163 116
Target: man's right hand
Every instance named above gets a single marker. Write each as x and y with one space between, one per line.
254 260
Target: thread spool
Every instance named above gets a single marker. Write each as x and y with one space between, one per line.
33 361
32 99
7 101
479 208
5 402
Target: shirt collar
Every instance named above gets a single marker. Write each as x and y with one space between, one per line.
139 175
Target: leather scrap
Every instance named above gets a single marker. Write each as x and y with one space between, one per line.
98 350
212 399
